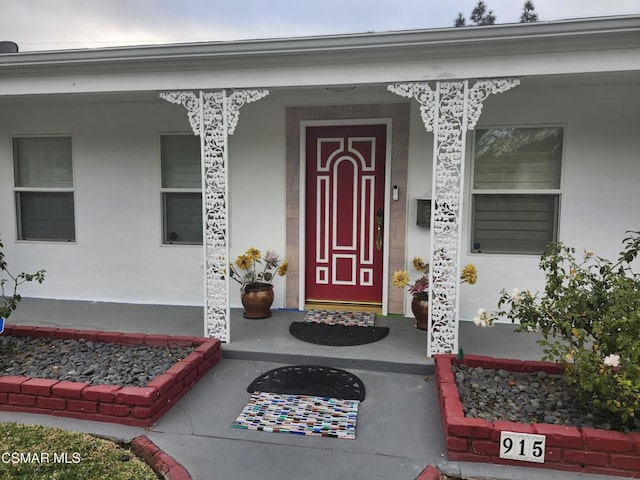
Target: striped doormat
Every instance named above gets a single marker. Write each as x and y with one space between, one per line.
299 415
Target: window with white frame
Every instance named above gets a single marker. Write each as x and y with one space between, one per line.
516 189
181 189
43 179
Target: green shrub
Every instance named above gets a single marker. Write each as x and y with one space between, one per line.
589 317
9 283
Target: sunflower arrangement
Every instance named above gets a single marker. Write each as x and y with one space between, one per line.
253 271
420 288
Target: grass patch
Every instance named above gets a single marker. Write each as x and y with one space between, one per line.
35 452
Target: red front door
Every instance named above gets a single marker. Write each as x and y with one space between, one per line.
345 213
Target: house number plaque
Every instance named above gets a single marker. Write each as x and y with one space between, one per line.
522 446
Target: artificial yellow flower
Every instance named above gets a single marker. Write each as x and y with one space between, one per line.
400 278
470 273
419 264
253 253
282 269
244 262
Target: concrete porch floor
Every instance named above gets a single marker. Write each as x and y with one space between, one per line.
403 351
399 428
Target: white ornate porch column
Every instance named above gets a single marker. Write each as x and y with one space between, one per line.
448 111
214 116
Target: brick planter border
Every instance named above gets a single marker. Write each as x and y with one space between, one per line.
586 450
161 463
136 406
430 473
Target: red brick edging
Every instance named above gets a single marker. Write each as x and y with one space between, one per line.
136 406
159 461
430 473
587 450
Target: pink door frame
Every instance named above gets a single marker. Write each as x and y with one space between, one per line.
399 113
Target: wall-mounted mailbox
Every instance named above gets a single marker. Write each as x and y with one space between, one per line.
424 212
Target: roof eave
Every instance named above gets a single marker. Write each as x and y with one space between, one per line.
433 38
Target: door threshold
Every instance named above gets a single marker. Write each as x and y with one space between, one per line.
342 306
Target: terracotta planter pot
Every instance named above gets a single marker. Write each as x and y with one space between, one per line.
420 309
257 300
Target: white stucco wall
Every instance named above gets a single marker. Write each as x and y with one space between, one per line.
118 255
257 173
601 169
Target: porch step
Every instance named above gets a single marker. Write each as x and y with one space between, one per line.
423 368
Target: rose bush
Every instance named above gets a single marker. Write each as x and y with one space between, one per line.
589 317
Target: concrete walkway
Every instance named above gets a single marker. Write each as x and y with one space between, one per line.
399 428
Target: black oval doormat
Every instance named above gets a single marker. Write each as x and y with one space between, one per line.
336 335
311 380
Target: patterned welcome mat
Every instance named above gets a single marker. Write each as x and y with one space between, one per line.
299 415
358 319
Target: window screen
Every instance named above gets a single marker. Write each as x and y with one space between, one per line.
181 189
43 175
514 223
516 189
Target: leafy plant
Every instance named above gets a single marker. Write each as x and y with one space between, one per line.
9 283
252 270
589 317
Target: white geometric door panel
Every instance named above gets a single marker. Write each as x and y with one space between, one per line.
345 213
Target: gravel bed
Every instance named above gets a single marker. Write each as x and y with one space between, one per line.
96 363
498 395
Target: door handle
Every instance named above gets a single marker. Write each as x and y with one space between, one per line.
379 227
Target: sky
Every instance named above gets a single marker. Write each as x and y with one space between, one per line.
71 24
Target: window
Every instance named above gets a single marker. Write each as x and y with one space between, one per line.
516 189
181 189
43 176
